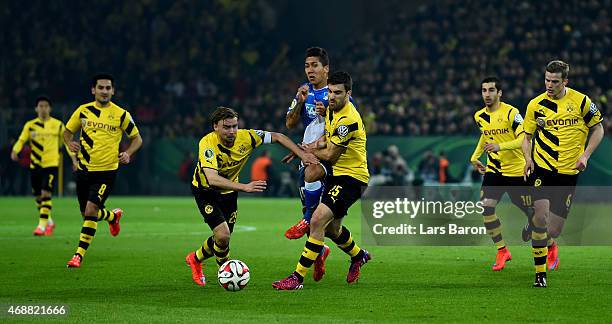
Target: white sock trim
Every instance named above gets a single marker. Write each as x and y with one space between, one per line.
312 186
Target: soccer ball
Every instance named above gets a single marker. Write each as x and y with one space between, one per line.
233 275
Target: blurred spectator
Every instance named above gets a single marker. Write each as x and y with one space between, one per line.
185 171
388 168
417 75
287 186
397 165
261 169
428 167
444 164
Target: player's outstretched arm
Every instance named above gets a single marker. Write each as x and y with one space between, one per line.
331 152
320 143
307 158
215 180
597 134
135 144
513 144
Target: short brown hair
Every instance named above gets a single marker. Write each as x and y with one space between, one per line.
222 113
558 66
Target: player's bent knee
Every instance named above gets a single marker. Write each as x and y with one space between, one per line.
222 239
539 220
313 173
222 236
316 222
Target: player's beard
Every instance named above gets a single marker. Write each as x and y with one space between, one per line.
338 104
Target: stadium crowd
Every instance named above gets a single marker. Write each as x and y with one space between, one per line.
419 76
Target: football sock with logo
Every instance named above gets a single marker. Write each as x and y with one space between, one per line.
45 211
221 253
206 250
88 231
493 226
345 242
312 248
539 248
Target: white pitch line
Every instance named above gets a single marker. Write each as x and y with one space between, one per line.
237 229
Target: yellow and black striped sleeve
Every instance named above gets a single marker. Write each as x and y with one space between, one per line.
257 137
23 138
590 113
128 125
74 123
529 124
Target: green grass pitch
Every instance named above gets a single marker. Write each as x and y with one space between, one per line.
141 274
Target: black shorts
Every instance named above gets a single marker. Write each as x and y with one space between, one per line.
217 208
341 192
43 179
94 186
555 187
494 186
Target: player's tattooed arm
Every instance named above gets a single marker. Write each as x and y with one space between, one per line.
526 147
293 116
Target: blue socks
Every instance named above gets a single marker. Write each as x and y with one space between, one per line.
312 197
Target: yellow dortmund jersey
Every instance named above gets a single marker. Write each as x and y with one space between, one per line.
44 138
560 129
501 126
101 132
227 161
345 128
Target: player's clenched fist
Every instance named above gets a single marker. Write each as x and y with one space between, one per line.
302 93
